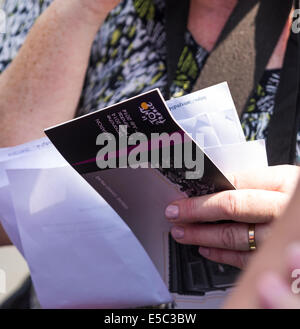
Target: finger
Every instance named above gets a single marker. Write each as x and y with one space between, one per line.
275 178
231 236
249 206
274 293
234 258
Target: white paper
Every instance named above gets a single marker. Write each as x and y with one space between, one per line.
14 152
217 104
80 253
227 128
239 157
201 130
37 154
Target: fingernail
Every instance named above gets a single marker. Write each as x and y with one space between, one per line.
204 251
172 212
177 232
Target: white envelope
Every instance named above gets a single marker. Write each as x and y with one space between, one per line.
37 154
80 253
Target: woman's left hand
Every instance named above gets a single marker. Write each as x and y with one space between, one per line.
260 197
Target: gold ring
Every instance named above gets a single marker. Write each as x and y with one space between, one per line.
251 237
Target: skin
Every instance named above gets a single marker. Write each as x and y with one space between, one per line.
274 291
260 198
267 281
48 73
49 70
208 18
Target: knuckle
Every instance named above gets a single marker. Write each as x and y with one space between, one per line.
220 257
234 180
278 207
192 235
229 204
241 260
228 235
282 205
287 182
190 208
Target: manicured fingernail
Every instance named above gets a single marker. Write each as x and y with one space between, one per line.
177 232
172 212
204 251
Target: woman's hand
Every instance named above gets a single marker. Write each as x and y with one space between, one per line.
260 197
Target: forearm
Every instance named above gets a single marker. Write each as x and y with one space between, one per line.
43 84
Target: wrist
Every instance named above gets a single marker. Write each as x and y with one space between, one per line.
87 13
97 9
94 12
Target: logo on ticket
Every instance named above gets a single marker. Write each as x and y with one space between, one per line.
151 114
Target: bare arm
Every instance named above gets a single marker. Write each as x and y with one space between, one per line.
43 84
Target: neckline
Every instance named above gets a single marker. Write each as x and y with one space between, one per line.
189 34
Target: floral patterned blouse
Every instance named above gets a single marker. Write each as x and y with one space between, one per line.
128 57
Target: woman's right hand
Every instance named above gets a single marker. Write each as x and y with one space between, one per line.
260 198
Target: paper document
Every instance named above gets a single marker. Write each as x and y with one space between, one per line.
97 237
81 254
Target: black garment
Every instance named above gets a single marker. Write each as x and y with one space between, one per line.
284 125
